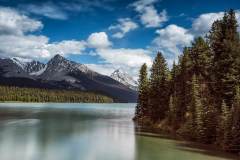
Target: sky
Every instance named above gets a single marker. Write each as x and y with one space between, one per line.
106 34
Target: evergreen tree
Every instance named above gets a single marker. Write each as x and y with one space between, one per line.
192 124
142 104
236 122
224 42
159 92
201 57
183 82
225 126
172 116
173 81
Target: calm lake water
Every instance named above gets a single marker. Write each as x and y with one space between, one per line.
85 132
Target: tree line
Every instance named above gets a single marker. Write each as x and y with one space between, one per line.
11 93
199 98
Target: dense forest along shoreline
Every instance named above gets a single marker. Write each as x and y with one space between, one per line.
199 98
18 94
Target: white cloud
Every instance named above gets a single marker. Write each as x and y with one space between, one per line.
31 46
128 59
141 4
23 46
203 23
98 40
124 56
171 40
149 15
67 47
12 22
48 10
16 38
125 25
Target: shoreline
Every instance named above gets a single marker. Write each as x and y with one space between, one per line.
52 102
144 130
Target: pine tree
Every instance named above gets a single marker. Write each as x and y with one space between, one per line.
172 116
236 122
201 57
183 82
225 127
173 81
142 104
158 100
193 124
224 42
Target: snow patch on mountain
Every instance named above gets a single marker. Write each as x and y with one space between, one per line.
38 73
21 62
124 78
28 65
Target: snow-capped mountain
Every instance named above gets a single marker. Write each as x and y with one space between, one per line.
59 67
124 78
28 65
61 73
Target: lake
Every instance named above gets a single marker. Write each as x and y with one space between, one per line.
52 131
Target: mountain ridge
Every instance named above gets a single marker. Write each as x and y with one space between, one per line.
61 73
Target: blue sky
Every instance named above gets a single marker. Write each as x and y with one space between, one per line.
105 34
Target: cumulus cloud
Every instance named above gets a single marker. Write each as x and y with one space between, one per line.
124 56
23 46
16 38
67 47
125 25
12 22
171 40
98 40
202 24
48 10
31 46
141 4
149 15
113 58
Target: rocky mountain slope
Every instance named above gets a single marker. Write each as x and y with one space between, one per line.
60 73
124 78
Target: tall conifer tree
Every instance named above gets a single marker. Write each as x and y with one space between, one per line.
159 94
142 110
224 41
236 122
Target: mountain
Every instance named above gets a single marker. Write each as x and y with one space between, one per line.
124 78
28 65
60 73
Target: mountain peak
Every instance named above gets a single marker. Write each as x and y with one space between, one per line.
121 76
119 70
58 56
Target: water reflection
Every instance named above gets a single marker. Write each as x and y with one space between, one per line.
70 135
85 132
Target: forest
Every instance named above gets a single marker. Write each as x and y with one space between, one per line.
11 93
198 99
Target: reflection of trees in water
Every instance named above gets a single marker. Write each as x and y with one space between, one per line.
157 146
